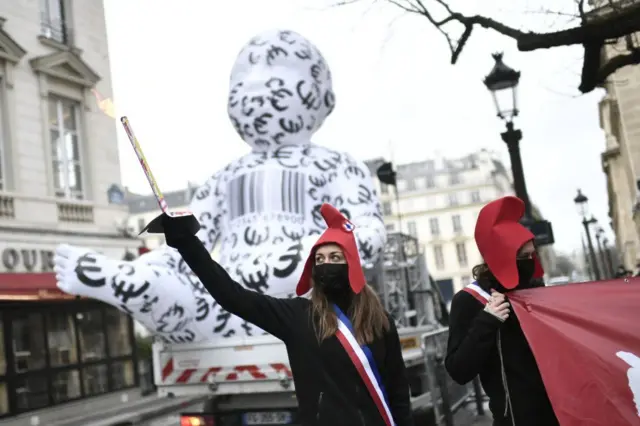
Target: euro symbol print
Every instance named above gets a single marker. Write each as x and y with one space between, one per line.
87 265
633 375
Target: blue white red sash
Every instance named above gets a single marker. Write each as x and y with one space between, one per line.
476 291
365 364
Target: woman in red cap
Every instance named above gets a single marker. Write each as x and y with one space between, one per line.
343 348
484 338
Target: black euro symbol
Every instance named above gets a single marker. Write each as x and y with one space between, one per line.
292 235
274 52
364 196
261 123
293 260
310 97
253 238
318 182
291 126
87 264
354 171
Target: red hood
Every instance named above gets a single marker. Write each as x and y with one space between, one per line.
499 235
340 232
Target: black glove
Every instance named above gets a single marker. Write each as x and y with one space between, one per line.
178 229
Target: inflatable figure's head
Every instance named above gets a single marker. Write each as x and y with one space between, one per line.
500 236
280 90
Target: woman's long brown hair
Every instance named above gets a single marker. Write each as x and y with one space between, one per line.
367 315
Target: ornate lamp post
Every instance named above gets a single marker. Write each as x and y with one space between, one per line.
502 82
582 203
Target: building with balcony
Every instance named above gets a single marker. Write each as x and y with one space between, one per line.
438 203
620 121
58 160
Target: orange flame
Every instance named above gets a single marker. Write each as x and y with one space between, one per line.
105 105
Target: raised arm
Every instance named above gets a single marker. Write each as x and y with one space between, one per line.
274 315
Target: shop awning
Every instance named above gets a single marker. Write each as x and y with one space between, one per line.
29 286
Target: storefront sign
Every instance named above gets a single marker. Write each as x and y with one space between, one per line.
27 260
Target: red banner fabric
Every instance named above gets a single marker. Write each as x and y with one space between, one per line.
586 340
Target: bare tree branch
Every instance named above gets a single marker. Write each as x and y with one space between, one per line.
615 20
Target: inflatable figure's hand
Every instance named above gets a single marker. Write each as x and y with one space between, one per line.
79 271
159 298
633 374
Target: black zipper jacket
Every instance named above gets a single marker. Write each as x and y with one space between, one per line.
476 341
329 390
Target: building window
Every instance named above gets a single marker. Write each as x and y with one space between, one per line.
453 199
3 359
430 182
3 171
384 188
66 386
66 148
461 251
32 392
475 196
61 338
390 227
412 228
4 399
53 20
95 378
401 184
411 184
118 333
29 352
92 338
141 224
122 374
386 208
434 226
455 179
457 223
438 255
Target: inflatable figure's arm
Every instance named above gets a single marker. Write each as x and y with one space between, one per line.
358 200
157 289
274 315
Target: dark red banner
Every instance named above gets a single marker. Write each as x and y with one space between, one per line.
586 340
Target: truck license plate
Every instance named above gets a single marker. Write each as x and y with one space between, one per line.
268 418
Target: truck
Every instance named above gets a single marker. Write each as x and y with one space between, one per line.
248 381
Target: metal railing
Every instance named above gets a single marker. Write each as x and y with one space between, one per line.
447 396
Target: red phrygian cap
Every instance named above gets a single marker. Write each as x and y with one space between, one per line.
499 235
340 232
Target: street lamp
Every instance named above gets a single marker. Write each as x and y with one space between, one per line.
582 203
599 235
608 257
502 82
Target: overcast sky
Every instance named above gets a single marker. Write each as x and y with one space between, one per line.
393 82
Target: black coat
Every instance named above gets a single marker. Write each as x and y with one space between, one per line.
477 339
328 387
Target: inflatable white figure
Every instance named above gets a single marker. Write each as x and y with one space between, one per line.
633 374
262 208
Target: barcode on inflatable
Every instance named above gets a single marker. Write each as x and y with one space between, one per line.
267 191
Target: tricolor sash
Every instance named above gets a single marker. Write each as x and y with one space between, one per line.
476 291
365 364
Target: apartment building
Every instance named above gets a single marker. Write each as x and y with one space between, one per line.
620 121
439 201
59 169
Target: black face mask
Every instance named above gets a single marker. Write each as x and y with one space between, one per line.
333 280
526 269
